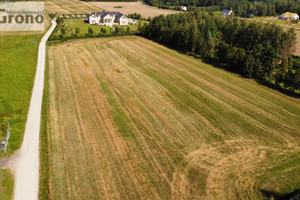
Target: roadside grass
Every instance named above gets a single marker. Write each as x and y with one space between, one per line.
146 121
44 139
6 185
18 58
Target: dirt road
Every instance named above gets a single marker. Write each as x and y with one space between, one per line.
25 163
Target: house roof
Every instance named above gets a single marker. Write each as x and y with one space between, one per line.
226 12
104 14
289 14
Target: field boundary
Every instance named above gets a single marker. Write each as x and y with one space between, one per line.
44 139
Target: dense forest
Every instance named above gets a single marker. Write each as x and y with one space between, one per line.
239 7
255 50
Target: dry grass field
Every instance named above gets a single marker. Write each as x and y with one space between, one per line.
131 119
70 7
297 52
133 7
81 7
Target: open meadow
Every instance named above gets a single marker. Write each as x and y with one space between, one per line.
18 58
132 119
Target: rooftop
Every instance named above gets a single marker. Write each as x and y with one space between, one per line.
289 14
104 13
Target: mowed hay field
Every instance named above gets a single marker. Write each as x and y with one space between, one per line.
132 119
133 7
82 7
70 7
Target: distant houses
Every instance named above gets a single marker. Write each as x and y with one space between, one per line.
227 12
289 16
108 18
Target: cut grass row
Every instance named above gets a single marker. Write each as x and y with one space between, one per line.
134 119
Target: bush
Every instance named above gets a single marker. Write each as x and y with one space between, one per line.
77 30
128 30
135 16
63 31
103 31
59 20
90 31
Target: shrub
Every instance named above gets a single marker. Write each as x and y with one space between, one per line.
77 30
90 31
103 31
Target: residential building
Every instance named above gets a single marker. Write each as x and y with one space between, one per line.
227 12
107 18
183 8
289 16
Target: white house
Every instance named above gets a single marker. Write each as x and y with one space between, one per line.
289 16
107 18
227 12
183 8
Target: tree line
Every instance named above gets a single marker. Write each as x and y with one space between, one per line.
239 7
255 50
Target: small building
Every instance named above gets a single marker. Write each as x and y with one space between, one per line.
183 8
107 18
250 15
227 12
289 16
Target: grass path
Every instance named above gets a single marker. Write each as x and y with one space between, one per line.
132 119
